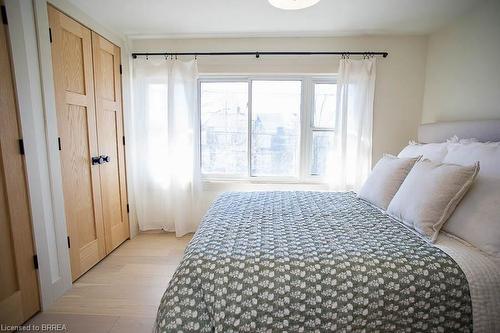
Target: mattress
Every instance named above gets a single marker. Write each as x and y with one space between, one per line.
311 262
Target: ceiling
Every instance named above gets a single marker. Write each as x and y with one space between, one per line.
229 18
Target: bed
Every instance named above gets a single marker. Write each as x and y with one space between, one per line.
325 261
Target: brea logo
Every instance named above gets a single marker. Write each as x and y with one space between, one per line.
49 327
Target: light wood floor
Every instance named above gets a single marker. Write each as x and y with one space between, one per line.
122 292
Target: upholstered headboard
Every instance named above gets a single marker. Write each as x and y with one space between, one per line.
482 130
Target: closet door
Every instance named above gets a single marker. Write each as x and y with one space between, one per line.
76 117
108 103
18 280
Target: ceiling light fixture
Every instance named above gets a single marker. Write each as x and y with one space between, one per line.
293 4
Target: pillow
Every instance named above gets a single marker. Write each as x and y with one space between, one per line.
477 218
385 180
456 139
429 194
431 151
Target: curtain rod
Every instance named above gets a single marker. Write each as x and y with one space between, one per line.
257 54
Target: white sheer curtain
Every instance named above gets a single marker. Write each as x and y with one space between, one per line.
164 165
351 160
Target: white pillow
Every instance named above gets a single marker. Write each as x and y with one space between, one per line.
477 218
429 194
431 151
456 139
385 180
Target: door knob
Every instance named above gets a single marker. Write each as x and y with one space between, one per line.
97 160
105 158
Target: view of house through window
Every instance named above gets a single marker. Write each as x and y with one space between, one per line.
277 128
224 128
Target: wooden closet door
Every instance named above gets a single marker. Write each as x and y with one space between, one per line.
74 89
108 101
18 280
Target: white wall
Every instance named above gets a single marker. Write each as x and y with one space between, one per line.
463 68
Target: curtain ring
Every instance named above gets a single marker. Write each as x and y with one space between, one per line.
176 57
147 57
195 56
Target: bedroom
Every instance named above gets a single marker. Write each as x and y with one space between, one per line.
249 166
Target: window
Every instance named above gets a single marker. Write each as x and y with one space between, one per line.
224 128
279 128
275 128
323 125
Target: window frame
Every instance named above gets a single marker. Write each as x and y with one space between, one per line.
312 127
306 120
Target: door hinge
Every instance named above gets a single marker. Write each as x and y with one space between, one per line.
50 35
128 208
21 146
121 70
35 261
4 15
69 242
123 140
59 143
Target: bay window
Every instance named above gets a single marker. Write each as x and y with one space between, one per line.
266 128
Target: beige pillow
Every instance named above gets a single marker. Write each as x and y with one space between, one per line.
429 195
385 180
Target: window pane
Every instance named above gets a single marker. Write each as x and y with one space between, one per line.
322 147
275 127
224 128
325 99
